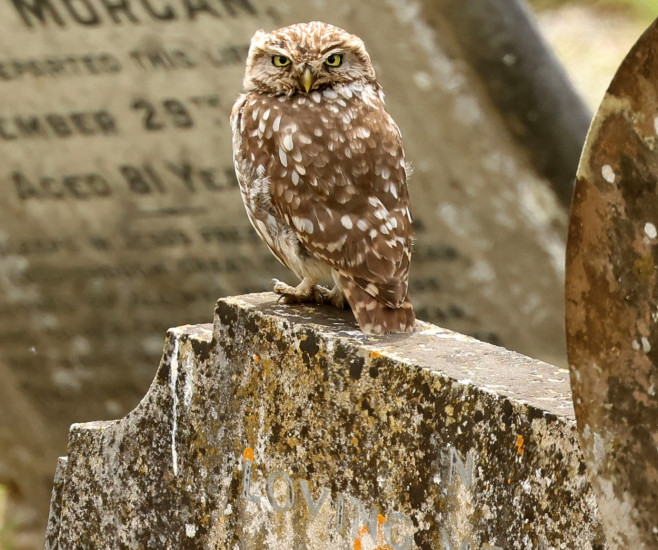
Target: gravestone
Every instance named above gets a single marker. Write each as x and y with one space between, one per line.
121 216
612 295
285 427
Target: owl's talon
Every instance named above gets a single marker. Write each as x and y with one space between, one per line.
282 288
303 293
319 294
333 297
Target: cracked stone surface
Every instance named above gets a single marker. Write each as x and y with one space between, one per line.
611 300
285 427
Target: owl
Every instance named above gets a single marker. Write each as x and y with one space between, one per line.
322 173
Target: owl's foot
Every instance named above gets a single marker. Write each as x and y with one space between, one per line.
307 292
303 293
334 297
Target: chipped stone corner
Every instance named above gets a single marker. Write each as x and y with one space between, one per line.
285 427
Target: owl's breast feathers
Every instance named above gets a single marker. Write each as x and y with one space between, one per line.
333 168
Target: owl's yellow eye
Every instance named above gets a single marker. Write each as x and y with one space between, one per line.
334 60
280 61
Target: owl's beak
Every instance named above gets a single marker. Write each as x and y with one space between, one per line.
307 79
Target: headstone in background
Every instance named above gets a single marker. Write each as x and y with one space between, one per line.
524 80
612 300
121 217
284 428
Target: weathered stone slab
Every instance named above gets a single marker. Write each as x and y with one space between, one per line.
285 427
612 296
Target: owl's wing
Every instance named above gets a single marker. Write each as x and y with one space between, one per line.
337 177
376 259
254 183
367 243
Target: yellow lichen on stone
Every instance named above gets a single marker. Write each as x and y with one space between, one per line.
519 444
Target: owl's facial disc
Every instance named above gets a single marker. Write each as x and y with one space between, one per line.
304 58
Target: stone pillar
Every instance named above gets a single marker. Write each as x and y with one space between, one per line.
285 427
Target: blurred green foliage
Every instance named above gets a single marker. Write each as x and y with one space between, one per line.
646 9
6 538
6 530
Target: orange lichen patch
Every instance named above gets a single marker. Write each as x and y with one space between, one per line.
357 541
375 354
248 454
509 480
519 444
381 543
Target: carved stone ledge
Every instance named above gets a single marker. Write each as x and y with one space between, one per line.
285 427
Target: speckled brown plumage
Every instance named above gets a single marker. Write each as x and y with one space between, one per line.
322 172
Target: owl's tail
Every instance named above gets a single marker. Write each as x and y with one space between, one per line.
373 316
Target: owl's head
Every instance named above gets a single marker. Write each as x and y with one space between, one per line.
305 57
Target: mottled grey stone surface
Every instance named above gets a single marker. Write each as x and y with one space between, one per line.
286 428
612 292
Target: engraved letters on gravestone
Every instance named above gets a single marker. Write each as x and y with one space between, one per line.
120 214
